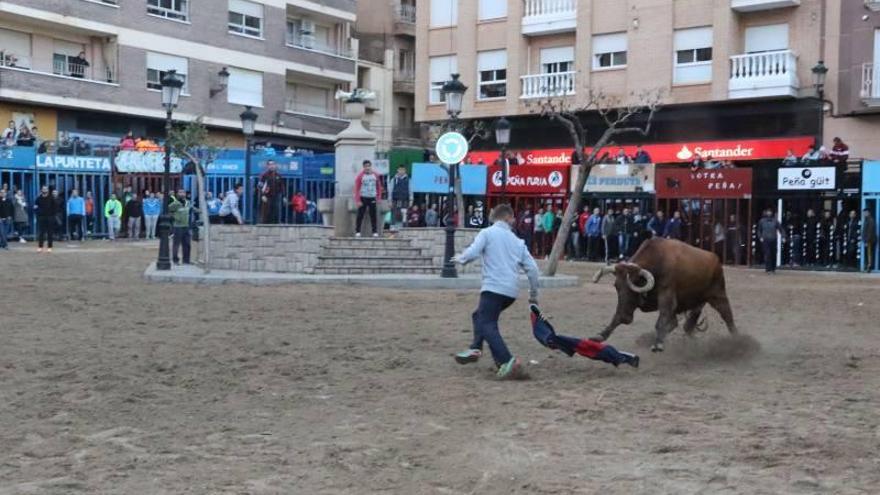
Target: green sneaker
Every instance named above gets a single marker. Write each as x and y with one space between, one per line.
510 370
468 356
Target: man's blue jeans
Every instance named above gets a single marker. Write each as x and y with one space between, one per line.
485 320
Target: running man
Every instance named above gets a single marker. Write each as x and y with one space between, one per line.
503 255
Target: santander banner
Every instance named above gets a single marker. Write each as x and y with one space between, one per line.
531 179
740 150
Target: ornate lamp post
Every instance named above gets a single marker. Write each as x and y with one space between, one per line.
453 92
502 137
248 126
820 71
172 85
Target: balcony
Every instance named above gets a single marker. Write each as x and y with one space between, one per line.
405 20
311 43
759 75
62 67
310 109
870 92
404 81
873 5
549 17
548 85
756 5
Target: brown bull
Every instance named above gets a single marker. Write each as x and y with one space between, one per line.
670 277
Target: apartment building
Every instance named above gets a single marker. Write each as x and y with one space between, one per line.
92 68
386 31
728 69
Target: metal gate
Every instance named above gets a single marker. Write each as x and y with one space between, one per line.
96 185
718 225
21 180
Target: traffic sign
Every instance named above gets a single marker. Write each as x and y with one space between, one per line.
451 148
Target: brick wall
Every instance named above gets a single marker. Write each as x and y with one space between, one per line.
267 248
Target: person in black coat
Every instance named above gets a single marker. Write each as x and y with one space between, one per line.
47 210
7 212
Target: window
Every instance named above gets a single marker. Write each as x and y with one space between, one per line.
693 56
15 49
312 100
442 69
65 59
305 33
158 64
245 87
177 10
492 74
556 60
246 18
767 38
406 62
444 13
492 9
609 51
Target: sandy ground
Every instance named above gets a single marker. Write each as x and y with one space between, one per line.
109 385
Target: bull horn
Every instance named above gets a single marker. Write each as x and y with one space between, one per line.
601 273
649 282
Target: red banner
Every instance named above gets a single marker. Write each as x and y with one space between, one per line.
721 183
531 179
739 150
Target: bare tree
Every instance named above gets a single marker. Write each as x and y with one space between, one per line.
190 141
619 118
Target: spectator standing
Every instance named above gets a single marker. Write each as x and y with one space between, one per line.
20 215
10 134
548 221
734 240
367 189
432 219
673 228
414 219
213 205
47 212
113 214
624 226
525 226
621 157
869 238
839 154
582 220
539 232
657 225
271 193
594 234
59 213
791 160
134 210
179 207
25 138
641 157
89 204
401 196
852 238
474 221
127 143
76 211
768 228
230 213
7 213
77 65
811 157
639 229
299 204
152 209
609 235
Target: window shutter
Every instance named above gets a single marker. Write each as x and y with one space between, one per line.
493 9
492 60
442 67
557 55
444 12
247 8
164 63
767 38
609 43
245 87
691 39
15 42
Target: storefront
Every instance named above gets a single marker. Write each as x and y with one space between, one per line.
715 208
613 186
534 186
430 187
871 202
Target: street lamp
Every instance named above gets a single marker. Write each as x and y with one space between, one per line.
222 83
502 137
453 92
820 71
248 126
172 85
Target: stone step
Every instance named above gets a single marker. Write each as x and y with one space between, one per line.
369 242
399 252
374 270
381 261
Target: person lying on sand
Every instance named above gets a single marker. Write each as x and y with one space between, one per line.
599 351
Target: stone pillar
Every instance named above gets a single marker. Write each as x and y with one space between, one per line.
353 145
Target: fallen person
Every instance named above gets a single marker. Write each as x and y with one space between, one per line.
503 255
599 351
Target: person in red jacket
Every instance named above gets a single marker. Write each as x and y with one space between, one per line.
367 191
582 230
299 204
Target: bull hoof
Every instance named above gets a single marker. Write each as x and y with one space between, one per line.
598 338
657 347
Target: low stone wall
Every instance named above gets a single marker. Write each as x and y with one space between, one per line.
267 248
432 241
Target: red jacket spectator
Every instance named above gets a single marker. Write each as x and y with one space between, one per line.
298 203
840 152
582 222
358 182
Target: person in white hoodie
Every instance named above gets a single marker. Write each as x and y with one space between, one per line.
503 255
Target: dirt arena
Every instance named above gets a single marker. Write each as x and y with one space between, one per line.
110 385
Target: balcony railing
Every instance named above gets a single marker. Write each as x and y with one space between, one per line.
756 5
549 16
870 85
309 42
763 74
59 68
873 5
548 85
14 60
314 110
406 13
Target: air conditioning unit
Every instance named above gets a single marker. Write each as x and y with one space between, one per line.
307 26
308 41
873 5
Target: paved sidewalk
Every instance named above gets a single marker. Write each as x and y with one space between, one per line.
191 274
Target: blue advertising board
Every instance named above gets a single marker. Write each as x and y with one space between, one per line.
18 157
288 165
227 162
871 178
319 167
433 178
65 163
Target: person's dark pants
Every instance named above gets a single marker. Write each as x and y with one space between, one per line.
527 239
76 227
769 248
214 219
228 220
90 224
485 320
299 218
182 237
20 228
367 205
46 228
4 223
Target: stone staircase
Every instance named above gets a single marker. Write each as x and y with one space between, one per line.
370 256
